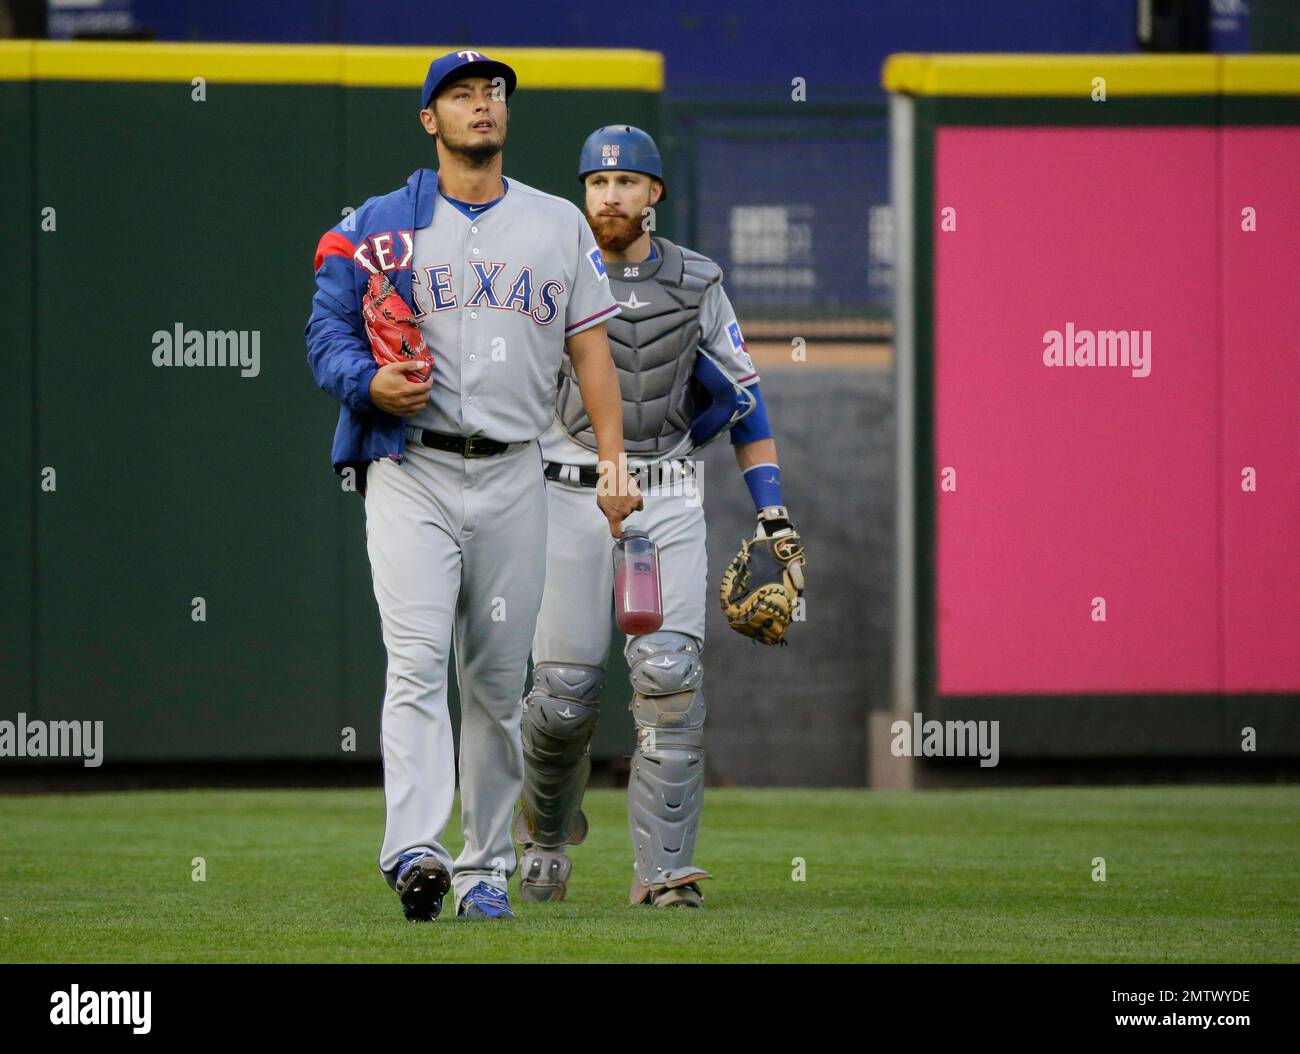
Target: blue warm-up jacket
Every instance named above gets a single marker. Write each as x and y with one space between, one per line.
378 236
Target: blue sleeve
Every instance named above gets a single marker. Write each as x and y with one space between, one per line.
754 425
764 483
337 348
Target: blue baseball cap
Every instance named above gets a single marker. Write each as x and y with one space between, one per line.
457 64
621 146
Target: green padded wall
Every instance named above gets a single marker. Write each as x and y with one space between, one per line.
175 483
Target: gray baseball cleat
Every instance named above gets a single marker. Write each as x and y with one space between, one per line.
687 896
544 873
679 887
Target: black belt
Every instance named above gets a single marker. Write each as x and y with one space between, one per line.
465 446
588 477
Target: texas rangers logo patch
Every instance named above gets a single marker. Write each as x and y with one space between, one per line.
597 264
737 341
738 344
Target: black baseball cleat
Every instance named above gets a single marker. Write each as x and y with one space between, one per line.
422 882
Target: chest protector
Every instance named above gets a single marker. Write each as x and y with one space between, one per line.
653 342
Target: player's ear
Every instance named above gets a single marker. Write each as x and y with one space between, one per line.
656 191
429 121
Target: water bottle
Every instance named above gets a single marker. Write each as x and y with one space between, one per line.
638 602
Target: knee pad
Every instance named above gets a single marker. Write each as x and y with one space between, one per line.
560 712
559 718
667 673
664 663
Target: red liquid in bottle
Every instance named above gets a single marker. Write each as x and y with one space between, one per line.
638 603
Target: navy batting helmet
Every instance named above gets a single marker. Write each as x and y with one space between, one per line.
621 146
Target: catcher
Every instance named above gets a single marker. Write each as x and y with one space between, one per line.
686 378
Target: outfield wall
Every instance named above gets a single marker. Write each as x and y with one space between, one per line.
173 484
1101 557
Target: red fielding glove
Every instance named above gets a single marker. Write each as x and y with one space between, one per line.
390 324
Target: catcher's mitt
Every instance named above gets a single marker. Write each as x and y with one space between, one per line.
390 324
762 583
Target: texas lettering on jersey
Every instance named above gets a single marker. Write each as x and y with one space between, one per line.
375 254
433 290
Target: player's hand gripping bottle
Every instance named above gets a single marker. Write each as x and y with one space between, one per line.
638 602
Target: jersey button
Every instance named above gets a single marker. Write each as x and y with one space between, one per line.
471 358
475 252
473 314
473 230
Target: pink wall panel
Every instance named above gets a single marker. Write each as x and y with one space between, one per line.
1261 409
1075 482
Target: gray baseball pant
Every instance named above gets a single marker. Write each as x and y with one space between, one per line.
458 554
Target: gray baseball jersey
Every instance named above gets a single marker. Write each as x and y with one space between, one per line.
458 545
496 296
574 624
719 334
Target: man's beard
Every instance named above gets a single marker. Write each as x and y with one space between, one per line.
475 154
615 233
473 150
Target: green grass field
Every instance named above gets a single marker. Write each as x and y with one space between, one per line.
1193 874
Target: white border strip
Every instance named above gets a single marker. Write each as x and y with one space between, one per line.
902 114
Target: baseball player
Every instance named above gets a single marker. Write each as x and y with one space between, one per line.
502 280
686 377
